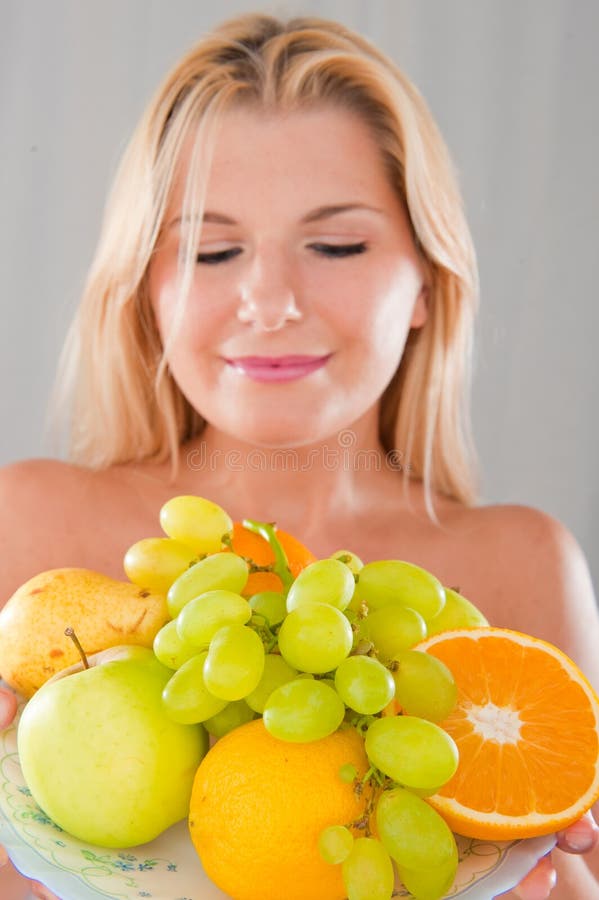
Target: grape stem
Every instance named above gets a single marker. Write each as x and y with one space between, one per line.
377 782
267 531
361 723
375 776
254 567
262 627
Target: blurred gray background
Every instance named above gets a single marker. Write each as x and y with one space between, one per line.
514 87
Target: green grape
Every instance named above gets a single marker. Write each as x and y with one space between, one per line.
348 558
315 638
154 563
231 716
429 884
364 684
185 696
413 833
201 618
276 672
425 792
235 662
368 871
424 686
219 572
303 710
457 613
335 843
393 628
170 649
271 605
393 581
197 522
411 751
324 581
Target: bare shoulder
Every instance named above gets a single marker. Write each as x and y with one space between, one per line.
55 514
32 488
535 576
525 539
26 478
26 490
30 491
516 530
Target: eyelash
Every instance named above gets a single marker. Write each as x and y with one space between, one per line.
332 251
221 256
338 251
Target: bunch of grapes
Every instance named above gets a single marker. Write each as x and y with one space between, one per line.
333 646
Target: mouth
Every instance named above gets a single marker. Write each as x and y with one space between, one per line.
277 368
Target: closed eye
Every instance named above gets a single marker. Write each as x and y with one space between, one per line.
219 256
339 250
333 251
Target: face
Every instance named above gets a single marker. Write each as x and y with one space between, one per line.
306 282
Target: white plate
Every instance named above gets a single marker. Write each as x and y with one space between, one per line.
168 867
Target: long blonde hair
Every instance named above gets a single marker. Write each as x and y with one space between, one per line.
124 403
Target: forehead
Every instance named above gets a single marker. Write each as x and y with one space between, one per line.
309 156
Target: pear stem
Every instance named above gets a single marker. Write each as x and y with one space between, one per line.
70 632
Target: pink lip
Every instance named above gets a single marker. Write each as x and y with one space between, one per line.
277 368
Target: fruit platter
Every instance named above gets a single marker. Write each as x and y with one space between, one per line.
242 719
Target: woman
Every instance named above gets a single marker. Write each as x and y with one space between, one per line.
279 318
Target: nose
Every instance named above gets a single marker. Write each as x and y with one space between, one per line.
267 297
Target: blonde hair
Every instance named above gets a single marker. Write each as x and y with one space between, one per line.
124 403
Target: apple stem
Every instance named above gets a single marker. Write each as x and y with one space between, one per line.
70 632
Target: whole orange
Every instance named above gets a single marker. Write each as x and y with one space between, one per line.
258 805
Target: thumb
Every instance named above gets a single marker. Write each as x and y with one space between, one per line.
539 883
42 893
8 707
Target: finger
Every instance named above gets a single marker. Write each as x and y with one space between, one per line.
580 837
3 857
539 883
42 893
8 708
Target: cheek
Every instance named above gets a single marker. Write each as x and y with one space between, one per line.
375 313
162 286
183 324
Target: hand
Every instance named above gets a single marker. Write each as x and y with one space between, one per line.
539 883
8 708
581 837
42 893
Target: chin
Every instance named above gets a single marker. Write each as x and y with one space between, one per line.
277 438
275 433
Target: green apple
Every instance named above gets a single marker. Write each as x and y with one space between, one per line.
100 754
457 613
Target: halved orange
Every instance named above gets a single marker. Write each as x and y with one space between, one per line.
527 728
252 546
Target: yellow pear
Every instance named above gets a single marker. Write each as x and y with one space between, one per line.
102 611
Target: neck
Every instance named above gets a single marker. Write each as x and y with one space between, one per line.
300 488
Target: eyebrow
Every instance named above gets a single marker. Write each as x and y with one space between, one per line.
325 212
315 215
